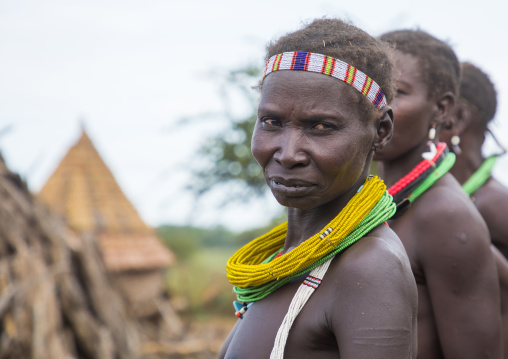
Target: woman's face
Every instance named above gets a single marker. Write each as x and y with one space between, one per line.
311 143
413 111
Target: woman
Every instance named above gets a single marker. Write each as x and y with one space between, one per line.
444 235
320 121
474 112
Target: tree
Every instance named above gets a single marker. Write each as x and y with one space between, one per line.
225 159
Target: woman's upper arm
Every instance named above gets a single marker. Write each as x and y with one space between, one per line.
375 315
225 346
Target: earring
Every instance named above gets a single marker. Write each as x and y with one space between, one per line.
432 132
432 146
455 140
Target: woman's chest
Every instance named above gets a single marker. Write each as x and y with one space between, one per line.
256 332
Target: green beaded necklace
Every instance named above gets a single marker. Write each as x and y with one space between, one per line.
439 172
481 175
382 211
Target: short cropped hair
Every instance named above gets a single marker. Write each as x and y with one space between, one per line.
438 62
346 42
478 91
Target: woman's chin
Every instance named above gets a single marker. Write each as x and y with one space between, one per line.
304 202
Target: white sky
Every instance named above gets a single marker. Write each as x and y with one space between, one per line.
133 69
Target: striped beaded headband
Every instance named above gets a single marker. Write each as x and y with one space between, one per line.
308 61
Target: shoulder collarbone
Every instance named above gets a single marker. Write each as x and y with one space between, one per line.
451 229
373 258
442 213
374 275
491 201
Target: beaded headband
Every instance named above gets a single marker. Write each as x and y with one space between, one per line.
308 61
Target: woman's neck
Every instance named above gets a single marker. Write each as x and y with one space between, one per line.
470 158
303 224
467 164
393 170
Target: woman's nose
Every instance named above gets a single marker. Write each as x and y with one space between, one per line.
291 152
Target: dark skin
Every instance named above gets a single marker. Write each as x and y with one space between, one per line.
491 199
502 269
444 235
315 151
472 136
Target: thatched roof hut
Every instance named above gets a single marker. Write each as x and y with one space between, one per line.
85 193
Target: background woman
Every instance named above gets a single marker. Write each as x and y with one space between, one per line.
445 237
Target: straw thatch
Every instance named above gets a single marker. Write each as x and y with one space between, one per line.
85 193
55 298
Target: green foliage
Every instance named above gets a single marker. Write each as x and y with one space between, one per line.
243 238
187 240
225 159
202 281
200 273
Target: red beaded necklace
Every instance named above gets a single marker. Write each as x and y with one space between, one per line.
404 186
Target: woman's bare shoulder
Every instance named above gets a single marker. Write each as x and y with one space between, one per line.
379 255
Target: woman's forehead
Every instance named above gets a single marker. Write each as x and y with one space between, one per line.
408 67
308 93
303 77
303 84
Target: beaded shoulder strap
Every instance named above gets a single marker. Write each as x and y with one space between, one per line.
306 289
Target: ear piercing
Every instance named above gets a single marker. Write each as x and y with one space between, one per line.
432 146
455 140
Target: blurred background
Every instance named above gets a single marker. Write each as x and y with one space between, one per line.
163 92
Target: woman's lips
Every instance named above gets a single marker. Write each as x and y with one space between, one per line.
291 187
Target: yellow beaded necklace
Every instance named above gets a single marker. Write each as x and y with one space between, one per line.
246 268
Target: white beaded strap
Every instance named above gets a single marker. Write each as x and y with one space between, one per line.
303 293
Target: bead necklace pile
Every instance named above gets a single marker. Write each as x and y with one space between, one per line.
481 175
256 273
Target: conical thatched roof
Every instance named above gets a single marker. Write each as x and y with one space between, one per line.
84 191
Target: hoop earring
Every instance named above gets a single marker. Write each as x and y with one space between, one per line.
455 140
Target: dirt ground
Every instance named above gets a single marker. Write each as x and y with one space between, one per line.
202 339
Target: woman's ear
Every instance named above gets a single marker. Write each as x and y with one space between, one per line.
445 109
456 123
462 117
384 128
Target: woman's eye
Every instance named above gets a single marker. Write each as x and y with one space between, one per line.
321 126
271 122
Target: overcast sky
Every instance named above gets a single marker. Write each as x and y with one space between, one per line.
130 70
